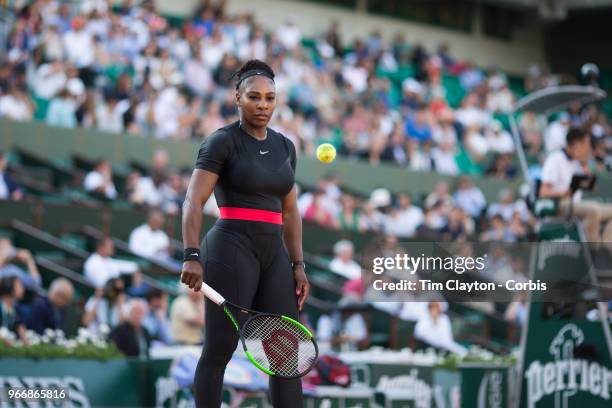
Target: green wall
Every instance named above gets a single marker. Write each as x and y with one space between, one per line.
59 144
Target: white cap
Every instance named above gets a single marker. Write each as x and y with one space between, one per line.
381 197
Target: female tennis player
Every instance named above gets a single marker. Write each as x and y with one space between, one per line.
253 254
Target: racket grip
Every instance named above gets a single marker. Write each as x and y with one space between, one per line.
212 294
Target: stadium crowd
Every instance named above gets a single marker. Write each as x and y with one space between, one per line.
129 69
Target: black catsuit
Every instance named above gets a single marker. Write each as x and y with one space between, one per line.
245 261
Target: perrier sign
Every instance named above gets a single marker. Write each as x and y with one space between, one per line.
566 358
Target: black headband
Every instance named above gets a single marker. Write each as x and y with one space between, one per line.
254 72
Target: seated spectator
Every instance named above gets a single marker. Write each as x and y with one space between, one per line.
418 126
9 189
63 107
498 139
156 320
440 196
343 263
457 227
187 317
516 312
395 151
150 241
404 219
100 181
16 104
469 197
317 212
434 328
345 329
349 217
11 291
9 255
48 312
498 231
130 336
100 266
508 206
107 307
557 173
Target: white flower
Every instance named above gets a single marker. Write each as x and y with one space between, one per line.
4 332
50 333
45 338
70 344
83 332
104 329
60 334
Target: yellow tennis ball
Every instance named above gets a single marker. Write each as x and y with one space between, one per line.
326 153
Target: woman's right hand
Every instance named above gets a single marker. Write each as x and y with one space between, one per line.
192 275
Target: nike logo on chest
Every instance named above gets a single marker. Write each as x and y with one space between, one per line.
262 152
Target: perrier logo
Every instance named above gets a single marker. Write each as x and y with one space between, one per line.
565 376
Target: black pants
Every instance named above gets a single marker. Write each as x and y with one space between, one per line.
248 264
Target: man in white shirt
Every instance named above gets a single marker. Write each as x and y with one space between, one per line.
404 220
151 241
554 135
557 173
343 263
100 267
100 180
469 197
434 328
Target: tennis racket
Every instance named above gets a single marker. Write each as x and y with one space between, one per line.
278 345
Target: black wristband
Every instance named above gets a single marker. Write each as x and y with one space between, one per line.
296 263
191 254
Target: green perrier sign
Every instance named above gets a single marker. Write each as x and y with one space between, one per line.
566 361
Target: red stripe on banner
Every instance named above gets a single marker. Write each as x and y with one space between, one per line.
251 214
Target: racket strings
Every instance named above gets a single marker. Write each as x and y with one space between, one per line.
279 345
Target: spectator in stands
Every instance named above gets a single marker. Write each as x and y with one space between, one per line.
498 231
555 133
516 312
469 197
434 328
498 139
107 307
557 173
317 212
131 336
458 226
9 189
345 329
349 217
16 104
63 107
151 241
11 291
187 318
48 312
343 262
99 181
440 196
508 206
100 266
156 320
405 218
10 256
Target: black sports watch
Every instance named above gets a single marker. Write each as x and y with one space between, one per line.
296 263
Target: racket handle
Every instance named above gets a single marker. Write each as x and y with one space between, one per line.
212 294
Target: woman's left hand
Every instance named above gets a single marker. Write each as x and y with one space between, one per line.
302 286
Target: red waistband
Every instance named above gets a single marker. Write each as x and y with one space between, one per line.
250 214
